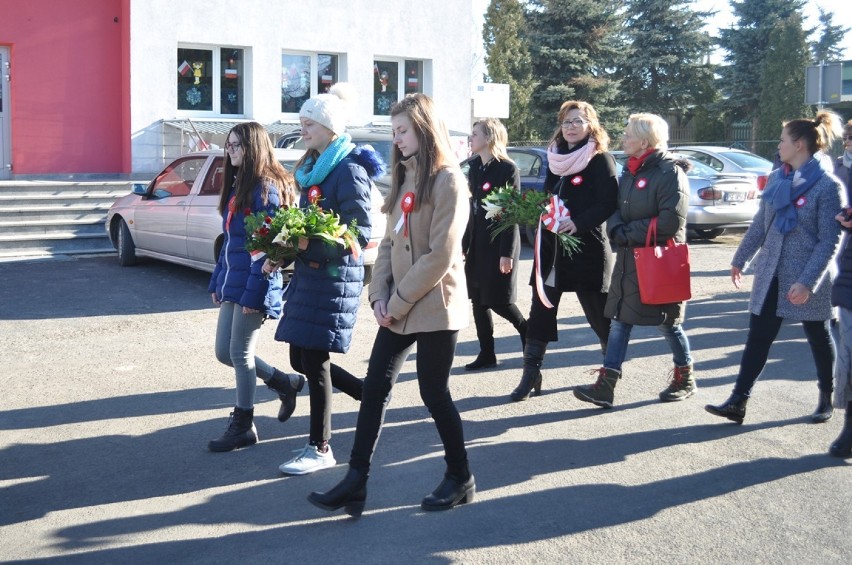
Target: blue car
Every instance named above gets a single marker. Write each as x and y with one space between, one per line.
532 165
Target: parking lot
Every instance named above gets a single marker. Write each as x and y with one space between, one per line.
111 392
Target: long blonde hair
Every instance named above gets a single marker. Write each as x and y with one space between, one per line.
435 152
496 137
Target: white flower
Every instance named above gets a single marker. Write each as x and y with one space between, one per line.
491 210
281 239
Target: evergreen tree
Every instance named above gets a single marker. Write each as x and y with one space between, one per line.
827 47
783 93
668 67
508 61
575 47
746 45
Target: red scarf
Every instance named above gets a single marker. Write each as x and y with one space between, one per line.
635 163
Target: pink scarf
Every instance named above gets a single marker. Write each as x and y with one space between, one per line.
570 163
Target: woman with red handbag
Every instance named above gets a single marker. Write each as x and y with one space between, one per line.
797 238
652 185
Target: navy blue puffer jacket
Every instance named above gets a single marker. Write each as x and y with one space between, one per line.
324 294
236 279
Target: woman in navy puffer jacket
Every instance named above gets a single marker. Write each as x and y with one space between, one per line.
323 296
258 183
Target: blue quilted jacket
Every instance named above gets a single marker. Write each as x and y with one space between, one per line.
235 278
324 294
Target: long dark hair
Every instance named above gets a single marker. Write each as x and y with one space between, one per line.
435 152
259 165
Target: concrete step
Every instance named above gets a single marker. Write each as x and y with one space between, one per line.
57 242
92 224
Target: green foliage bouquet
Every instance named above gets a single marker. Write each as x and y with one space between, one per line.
508 207
285 234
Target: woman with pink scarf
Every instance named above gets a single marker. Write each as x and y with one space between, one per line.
583 174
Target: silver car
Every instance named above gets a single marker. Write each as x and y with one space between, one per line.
727 160
716 201
174 218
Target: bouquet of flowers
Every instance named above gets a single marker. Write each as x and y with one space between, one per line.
284 234
507 207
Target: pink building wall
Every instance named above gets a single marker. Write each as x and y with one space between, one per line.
70 85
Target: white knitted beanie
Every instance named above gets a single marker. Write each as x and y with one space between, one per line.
331 109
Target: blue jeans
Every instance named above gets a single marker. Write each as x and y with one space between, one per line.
236 339
619 337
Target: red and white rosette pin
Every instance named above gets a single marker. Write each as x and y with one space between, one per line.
314 194
486 187
641 183
407 205
577 181
801 201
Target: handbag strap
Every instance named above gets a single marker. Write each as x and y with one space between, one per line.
652 232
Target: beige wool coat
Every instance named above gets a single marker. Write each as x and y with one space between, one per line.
421 274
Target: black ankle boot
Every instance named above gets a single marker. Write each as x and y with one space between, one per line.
451 492
824 410
733 409
280 383
482 361
240 432
842 446
349 494
531 377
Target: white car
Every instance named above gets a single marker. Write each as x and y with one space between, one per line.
174 218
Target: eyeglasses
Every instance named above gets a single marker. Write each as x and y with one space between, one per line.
576 122
847 138
231 147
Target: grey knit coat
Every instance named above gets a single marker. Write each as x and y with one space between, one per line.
804 255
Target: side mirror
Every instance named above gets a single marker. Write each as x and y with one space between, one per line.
140 189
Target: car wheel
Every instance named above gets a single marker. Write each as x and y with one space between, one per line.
126 247
710 233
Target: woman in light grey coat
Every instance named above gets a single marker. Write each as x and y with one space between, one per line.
793 241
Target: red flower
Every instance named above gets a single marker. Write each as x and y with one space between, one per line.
263 231
267 220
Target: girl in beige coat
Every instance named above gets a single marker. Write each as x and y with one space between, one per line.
419 296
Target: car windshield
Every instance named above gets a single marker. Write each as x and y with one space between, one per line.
747 160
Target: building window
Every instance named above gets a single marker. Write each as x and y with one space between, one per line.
304 75
391 78
211 80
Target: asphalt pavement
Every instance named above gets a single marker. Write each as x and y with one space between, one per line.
111 392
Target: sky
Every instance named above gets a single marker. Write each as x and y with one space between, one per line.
725 17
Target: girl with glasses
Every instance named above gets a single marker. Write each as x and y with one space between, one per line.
256 182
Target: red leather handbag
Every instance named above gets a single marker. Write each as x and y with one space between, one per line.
662 270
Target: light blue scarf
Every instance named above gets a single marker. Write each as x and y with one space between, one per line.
787 188
313 172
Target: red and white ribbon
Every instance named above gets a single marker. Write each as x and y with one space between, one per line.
314 194
407 205
555 214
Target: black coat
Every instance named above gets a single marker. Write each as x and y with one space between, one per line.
482 256
591 197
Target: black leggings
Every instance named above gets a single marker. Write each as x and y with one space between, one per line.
485 324
762 331
435 352
322 375
541 324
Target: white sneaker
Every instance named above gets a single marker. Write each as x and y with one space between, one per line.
308 460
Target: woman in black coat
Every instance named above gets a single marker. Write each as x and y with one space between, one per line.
491 266
583 174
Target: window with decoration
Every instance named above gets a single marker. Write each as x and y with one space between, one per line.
304 75
211 80
393 79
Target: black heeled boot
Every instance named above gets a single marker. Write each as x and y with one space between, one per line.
531 378
280 383
733 409
349 494
842 446
824 410
451 492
